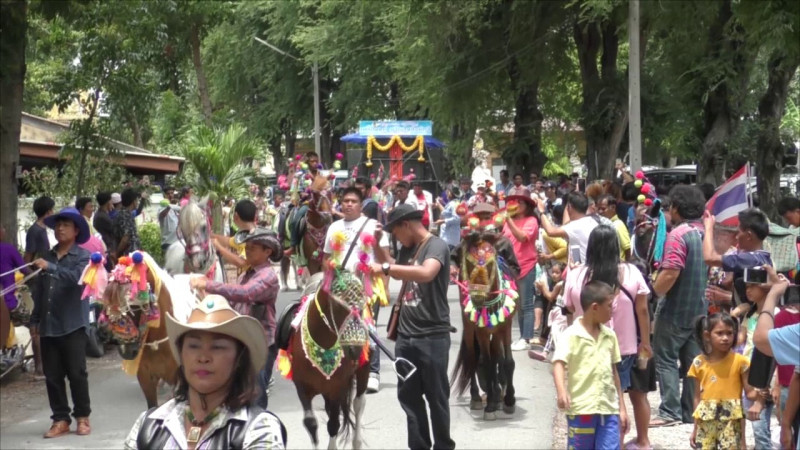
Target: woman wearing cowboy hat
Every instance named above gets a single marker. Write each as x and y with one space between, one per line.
255 293
522 229
219 352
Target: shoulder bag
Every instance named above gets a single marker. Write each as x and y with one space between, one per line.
394 316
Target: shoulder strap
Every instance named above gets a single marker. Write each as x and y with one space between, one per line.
353 244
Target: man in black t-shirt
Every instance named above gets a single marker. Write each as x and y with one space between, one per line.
37 245
423 264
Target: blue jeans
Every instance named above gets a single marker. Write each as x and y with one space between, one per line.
672 343
761 430
374 351
264 375
525 314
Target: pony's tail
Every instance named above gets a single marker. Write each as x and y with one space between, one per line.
345 405
465 368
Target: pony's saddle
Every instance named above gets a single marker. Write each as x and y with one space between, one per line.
284 328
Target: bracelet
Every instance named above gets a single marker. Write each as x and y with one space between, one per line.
771 316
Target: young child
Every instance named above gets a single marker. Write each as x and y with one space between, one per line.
720 377
591 396
556 320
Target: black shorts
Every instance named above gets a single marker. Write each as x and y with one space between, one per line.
539 302
644 380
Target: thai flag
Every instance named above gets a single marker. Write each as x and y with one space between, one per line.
731 198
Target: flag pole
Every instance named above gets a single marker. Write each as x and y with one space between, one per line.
749 191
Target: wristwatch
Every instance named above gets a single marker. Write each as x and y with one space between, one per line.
385 267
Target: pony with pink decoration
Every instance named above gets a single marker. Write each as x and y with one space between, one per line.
488 293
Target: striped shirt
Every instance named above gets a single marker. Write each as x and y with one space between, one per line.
258 286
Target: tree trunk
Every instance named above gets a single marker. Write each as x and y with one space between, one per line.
202 83
720 116
136 130
780 70
459 152
604 108
525 153
14 23
87 130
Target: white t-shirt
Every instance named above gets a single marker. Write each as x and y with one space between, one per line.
579 231
350 230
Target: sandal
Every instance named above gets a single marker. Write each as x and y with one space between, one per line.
659 422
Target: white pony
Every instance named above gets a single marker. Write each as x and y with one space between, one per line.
193 252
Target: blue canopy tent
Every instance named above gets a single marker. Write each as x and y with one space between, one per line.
427 172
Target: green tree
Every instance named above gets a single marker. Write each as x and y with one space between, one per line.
219 157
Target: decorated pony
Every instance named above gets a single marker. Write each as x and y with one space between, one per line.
328 348
488 293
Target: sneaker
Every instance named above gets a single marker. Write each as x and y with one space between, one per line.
520 345
374 383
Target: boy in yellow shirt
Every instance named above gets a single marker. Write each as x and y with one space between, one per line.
591 396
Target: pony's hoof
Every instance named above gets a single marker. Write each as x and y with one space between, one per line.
489 416
476 404
509 409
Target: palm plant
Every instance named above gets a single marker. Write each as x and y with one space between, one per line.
220 158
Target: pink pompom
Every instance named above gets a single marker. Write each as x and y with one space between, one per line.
646 189
298 157
639 175
363 257
367 239
299 270
339 156
648 202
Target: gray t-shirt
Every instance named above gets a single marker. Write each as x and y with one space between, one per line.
425 310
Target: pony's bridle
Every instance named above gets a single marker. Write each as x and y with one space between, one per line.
205 247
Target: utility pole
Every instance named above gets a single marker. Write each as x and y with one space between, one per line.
634 97
315 73
317 129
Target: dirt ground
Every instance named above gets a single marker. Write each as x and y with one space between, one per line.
21 393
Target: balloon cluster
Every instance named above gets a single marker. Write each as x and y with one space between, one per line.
646 190
338 163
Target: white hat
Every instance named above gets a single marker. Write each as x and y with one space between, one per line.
215 315
116 198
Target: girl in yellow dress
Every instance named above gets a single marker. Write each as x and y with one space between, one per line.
720 377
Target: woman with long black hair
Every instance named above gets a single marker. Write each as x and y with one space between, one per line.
630 319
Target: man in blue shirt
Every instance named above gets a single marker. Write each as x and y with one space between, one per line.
60 319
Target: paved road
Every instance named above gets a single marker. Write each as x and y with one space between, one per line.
117 402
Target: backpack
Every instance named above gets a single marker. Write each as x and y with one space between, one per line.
781 243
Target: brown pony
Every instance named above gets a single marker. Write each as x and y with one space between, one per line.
328 351
488 303
318 218
147 351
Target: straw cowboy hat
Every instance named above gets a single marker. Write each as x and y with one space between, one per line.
72 214
215 315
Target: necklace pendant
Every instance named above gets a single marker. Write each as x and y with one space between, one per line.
194 435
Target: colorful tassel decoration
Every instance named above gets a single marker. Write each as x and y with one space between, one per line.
493 321
138 274
481 323
501 316
285 364
94 277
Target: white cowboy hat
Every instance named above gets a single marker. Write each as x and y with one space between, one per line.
215 315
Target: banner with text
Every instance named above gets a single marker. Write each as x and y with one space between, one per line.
388 128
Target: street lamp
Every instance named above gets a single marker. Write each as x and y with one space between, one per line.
315 73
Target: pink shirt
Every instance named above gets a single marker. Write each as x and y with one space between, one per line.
623 321
94 245
524 251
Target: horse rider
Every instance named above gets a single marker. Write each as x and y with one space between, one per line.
300 199
423 333
254 294
354 225
60 318
231 248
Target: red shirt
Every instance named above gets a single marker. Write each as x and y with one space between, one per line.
426 220
785 318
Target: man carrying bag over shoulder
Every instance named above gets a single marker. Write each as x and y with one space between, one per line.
423 326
